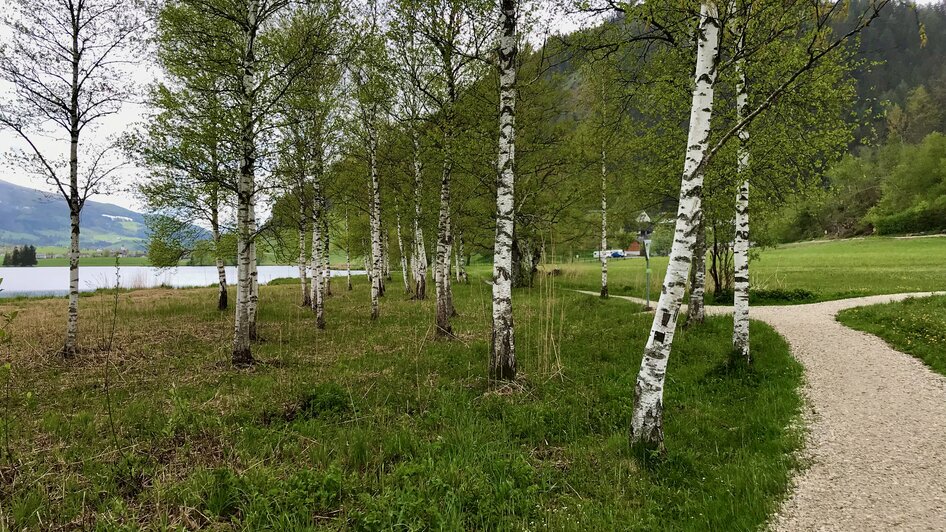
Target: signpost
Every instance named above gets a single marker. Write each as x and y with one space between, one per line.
647 259
646 229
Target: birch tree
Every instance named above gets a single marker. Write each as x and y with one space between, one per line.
696 310
65 63
597 131
816 44
348 251
372 94
200 202
502 364
419 248
241 43
741 240
288 230
451 29
647 420
246 17
318 277
604 225
252 299
400 249
317 123
462 276
310 131
304 223
417 79
326 253
186 150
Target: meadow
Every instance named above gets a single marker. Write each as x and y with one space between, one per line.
94 261
375 425
372 426
805 272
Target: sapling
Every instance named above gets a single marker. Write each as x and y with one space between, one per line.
6 318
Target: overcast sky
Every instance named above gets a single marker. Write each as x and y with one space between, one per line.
56 144
130 114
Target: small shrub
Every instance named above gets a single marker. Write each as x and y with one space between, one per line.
786 295
131 475
723 297
920 218
221 495
327 401
774 295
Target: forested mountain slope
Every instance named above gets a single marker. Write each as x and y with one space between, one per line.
903 49
30 216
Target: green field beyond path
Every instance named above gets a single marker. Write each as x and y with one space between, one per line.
827 269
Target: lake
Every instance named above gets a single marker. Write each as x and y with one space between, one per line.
38 281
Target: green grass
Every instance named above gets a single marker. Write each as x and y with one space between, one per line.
95 261
371 426
800 273
916 326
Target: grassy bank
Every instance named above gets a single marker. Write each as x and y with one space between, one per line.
95 261
800 273
374 425
914 326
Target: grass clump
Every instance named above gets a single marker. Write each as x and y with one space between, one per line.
916 326
373 425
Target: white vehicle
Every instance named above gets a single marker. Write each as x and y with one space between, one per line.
611 254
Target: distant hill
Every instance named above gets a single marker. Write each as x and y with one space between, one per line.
30 216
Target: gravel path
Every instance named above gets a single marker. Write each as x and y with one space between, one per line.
877 426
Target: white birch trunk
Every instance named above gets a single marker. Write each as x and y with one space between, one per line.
502 361
442 260
400 249
386 253
447 281
71 347
253 304
420 249
698 275
647 418
317 292
741 241
218 258
461 263
347 250
241 329
222 302
604 226
456 260
375 211
326 253
242 354
368 271
303 263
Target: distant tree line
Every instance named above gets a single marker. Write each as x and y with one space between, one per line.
25 256
903 51
895 187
